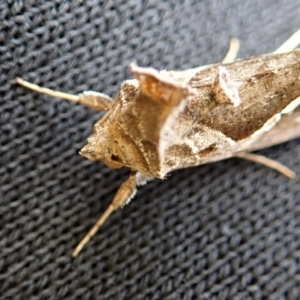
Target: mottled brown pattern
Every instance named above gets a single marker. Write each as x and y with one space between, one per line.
162 123
159 88
224 90
273 86
208 150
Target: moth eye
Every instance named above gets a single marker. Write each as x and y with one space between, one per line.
115 158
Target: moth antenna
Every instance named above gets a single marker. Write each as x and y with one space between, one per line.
123 196
47 91
270 163
233 50
91 99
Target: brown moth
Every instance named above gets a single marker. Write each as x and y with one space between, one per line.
162 121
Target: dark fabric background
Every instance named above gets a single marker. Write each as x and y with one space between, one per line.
229 230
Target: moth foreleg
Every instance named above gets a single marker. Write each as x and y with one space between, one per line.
273 164
91 99
95 100
124 194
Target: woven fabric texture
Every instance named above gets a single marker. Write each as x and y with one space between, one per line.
228 230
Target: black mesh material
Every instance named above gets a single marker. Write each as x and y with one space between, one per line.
228 230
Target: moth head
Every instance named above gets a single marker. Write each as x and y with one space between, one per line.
103 144
98 153
130 133
108 142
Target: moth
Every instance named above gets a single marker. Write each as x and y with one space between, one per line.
161 121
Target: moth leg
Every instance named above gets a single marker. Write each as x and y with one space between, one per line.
233 50
91 99
290 44
125 193
273 164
